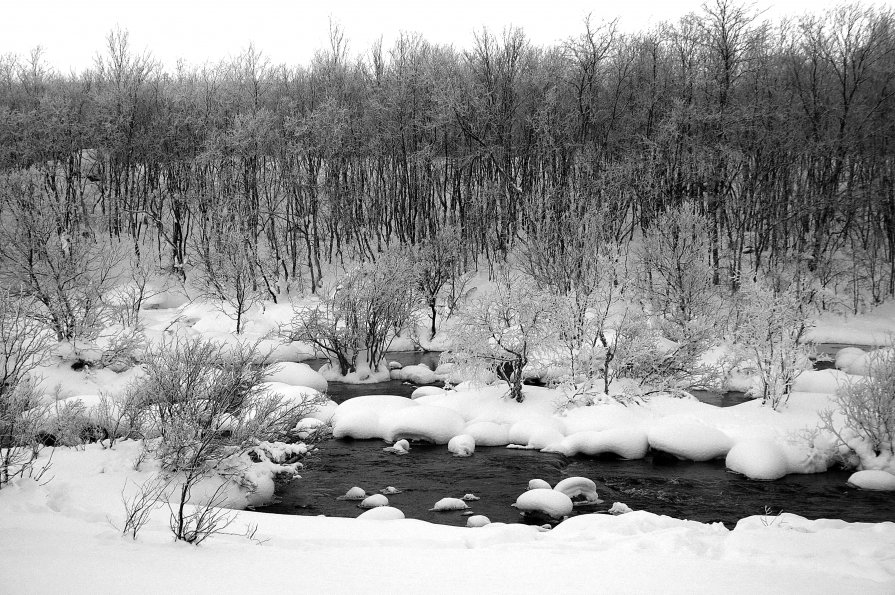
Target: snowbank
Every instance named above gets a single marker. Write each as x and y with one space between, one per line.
757 459
688 439
297 374
872 479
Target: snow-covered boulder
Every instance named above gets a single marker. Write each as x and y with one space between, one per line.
547 502
578 486
689 440
478 520
488 433
429 423
628 443
297 374
418 374
847 356
374 501
873 479
382 513
425 391
618 508
536 484
449 504
757 459
354 493
462 445
401 447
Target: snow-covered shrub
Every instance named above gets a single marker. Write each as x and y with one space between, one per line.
23 342
208 408
362 313
864 419
771 330
500 330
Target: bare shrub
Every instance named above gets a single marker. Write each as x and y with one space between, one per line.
138 508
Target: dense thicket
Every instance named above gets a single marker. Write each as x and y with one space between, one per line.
779 134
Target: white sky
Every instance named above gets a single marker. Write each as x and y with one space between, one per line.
73 31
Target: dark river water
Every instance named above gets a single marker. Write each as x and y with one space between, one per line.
698 491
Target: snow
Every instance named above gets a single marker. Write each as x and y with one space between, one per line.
862 365
757 459
354 493
619 508
401 447
429 423
462 445
627 443
450 504
417 374
846 356
688 439
550 503
488 433
297 374
382 513
374 501
425 391
578 486
538 483
477 520
873 479
64 543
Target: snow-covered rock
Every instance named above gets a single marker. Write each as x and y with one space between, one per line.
820 381
449 504
478 520
536 484
429 423
354 493
401 447
547 502
297 374
359 418
873 479
462 445
619 508
626 442
578 486
688 439
863 365
536 431
374 501
382 513
390 490
757 458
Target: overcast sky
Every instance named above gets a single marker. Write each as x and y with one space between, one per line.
73 31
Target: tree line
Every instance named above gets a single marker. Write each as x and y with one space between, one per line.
779 134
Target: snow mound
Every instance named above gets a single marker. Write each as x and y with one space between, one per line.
757 459
628 443
307 426
470 498
620 508
488 433
872 479
822 381
297 395
547 502
478 520
390 490
536 432
354 493
429 423
449 504
536 484
462 445
847 356
297 374
862 365
417 374
374 501
578 486
382 513
689 440
401 447
360 418
425 391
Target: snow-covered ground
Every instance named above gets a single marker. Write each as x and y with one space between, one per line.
59 535
59 538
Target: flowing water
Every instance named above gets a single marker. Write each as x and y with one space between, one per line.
699 491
